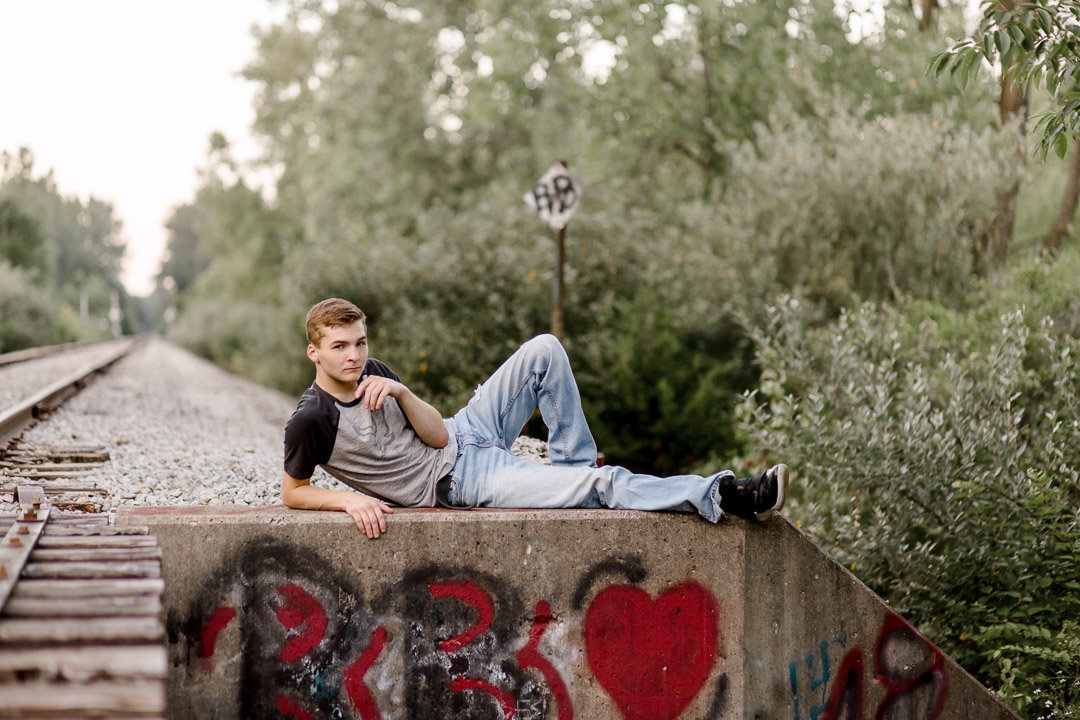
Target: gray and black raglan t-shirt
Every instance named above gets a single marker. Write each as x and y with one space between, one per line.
374 451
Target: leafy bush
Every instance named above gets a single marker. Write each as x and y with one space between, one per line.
250 338
938 453
659 391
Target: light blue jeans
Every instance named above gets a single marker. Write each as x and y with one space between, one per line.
487 474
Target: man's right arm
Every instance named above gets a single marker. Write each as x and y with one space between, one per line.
368 513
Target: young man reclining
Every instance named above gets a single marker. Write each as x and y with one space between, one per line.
361 424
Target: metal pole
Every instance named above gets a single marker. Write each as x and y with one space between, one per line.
557 306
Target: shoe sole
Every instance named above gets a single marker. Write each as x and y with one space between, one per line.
782 478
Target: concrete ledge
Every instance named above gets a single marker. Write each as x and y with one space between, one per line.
593 614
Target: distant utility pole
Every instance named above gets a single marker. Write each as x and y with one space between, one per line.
555 198
115 314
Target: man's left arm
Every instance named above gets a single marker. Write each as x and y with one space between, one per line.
425 419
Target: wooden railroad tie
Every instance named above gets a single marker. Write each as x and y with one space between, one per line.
80 605
61 472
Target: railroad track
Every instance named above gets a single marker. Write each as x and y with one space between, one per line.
17 356
18 416
80 600
80 628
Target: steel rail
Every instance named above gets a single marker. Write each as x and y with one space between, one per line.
22 538
17 356
15 419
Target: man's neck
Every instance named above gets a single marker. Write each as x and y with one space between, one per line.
345 392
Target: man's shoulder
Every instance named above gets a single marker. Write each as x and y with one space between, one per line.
378 367
310 433
314 405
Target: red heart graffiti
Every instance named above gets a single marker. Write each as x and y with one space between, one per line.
652 658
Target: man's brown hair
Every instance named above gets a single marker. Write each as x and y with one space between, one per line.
332 312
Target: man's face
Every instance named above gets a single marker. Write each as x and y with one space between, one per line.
341 353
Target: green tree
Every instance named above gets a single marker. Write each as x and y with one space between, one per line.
1036 42
185 258
84 242
29 314
21 241
1030 43
238 306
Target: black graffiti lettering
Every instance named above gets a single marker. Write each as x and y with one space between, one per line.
256 585
631 567
719 701
434 663
451 640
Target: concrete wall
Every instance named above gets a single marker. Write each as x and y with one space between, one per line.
522 614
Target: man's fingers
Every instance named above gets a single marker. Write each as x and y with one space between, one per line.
362 523
364 388
371 519
374 391
379 513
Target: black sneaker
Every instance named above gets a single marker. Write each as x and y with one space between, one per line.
756 497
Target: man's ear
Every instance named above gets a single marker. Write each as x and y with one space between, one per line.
311 349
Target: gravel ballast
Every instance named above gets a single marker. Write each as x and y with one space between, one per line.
179 431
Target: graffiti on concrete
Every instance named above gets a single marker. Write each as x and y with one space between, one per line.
912 671
652 657
445 642
809 677
908 675
846 700
295 617
459 631
530 657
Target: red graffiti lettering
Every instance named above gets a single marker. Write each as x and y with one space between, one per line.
299 609
221 618
652 658
472 595
530 657
291 708
910 667
901 683
359 693
846 699
505 699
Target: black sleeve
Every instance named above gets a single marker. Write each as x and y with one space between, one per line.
309 436
378 367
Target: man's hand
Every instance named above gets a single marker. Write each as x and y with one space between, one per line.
369 514
375 389
426 420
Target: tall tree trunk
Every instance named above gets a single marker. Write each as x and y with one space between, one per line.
1062 226
926 13
992 249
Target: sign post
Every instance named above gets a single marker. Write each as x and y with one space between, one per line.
555 198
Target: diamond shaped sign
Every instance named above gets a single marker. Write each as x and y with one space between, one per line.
555 197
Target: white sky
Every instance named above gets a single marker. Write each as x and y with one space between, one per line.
119 97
